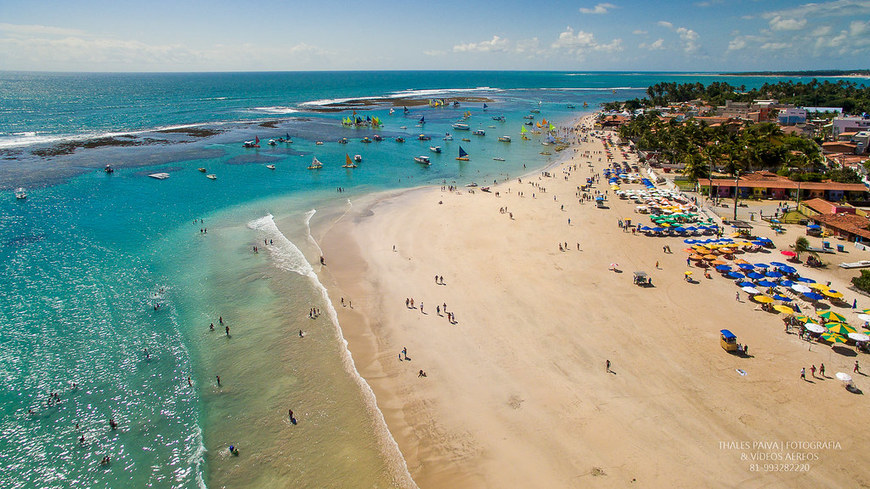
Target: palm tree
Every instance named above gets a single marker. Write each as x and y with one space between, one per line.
801 245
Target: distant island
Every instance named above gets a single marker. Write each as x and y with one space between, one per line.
843 73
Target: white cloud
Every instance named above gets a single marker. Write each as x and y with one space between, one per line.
664 23
689 38
601 8
583 42
434 52
638 32
836 8
653 46
858 28
782 24
38 30
528 46
775 46
821 30
496 44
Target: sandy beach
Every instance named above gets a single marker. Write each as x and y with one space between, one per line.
516 393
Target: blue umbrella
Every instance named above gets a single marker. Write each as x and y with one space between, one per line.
762 265
759 243
786 283
658 229
781 298
778 264
805 280
766 283
745 266
723 268
773 274
788 269
734 275
754 275
691 228
689 241
745 284
813 296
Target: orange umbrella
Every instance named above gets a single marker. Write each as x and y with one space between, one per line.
741 261
709 257
718 262
696 257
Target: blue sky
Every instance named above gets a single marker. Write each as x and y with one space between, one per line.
221 35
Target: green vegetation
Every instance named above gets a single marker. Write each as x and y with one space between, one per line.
801 245
863 281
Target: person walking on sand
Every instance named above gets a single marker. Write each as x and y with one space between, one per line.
405 352
607 366
822 370
803 373
857 369
813 371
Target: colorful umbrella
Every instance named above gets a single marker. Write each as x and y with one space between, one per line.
832 316
784 309
840 328
833 338
802 318
813 296
819 286
762 299
833 293
788 253
859 336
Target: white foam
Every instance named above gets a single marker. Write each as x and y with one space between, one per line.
330 101
308 216
277 109
289 257
440 91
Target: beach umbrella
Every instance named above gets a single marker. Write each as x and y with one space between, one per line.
773 274
718 262
750 290
843 376
709 257
865 311
864 317
788 253
754 275
813 296
741 261
689 241
762 265
786 283
859 336
723 268
745 266
832 316
696 257
784 309
788 269
805 280
803 289
819 286
781 298
833 293
802 318
766 283
734 275
815 328
833 338
839 328
778 264
763 299
745 283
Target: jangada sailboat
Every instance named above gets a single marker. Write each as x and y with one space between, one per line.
315 164
463 156
348 163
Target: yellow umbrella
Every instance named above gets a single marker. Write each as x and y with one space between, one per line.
832 316
710 257
741 261
833 294
696 257
763 299
718 262
839 328
801 318
818 286
833 338
783 309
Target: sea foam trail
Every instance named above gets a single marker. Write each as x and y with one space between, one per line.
290 258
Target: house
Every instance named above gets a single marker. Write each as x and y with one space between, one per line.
849 124
792 116
843 147
767 185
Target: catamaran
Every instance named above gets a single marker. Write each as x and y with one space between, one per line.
252 144
347 162
315 164
463 156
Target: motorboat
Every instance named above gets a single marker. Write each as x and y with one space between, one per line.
498 159
528 117
365 140
377 138
272 142
505 139
342 141
211 176
422 159
423 137
20 193
400 139
109 169
159 176
499 118
466 140
357 158
435 149
318 143
479 132
448 137
459 126
315 164
571 106
271 167
535 111
201 169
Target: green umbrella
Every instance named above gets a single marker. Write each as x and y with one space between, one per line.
833 338
839 328
832 316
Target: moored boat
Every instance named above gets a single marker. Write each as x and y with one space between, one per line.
342 141
463 156
459 126
252 144
498 159
479 132
435 149
423 137
466 140
159 176
271 167
400 139
377 138
365 140
272 142
315 164
347 162
109 169
211 176
201 170
422 159
357 158
20 193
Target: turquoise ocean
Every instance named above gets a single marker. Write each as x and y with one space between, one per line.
87 255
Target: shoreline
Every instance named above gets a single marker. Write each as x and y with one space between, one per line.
513 393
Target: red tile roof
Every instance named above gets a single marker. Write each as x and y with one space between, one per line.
849 223
766 179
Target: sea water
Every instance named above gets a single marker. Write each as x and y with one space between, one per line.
88 257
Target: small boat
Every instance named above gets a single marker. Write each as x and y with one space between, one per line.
530 123
459 126
571 106
272 142
271 167
505 139
315 164
479 132
109 169
528 117
211 176
463 156
498 159
357 158
484 189
201 169
342 141
377 138
400 139
485 106
585 104
448 137
471 185
347 162
403 127
391 111
491 127
159 176
546 153
535 111
466 140
435 149
422 120
20 193
499 118
319 143
365 140
456 103
422 159
423 137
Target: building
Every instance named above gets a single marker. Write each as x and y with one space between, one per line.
792 116
838 220
849 124
767 185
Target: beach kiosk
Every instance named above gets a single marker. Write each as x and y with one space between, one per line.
728 340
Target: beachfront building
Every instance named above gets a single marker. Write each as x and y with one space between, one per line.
792 116
768 185
837 220
849 124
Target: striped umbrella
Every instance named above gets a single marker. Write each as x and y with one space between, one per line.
832 316
833 338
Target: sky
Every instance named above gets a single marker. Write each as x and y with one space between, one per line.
273 35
